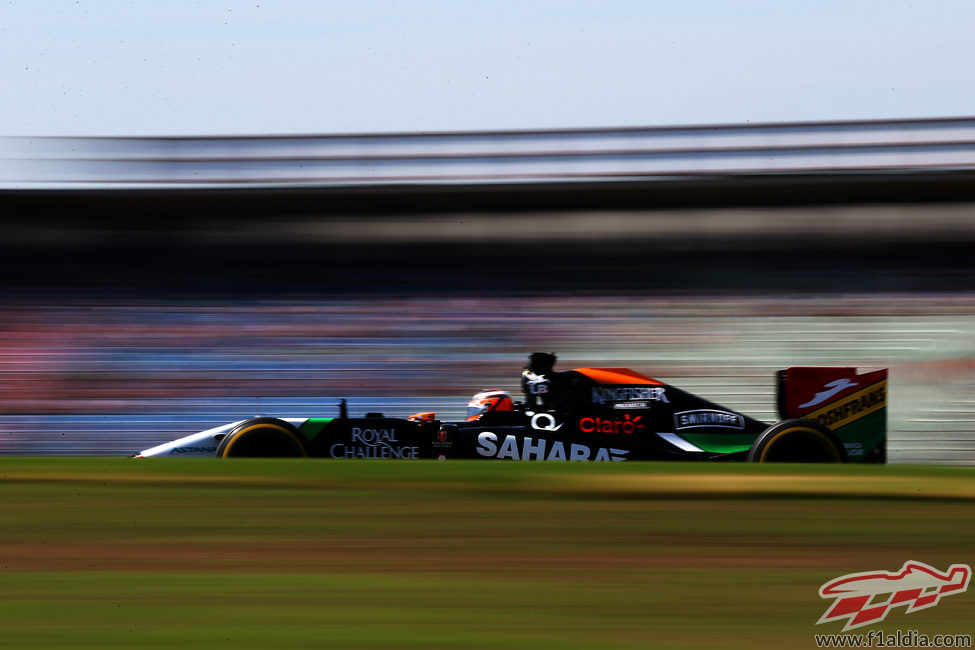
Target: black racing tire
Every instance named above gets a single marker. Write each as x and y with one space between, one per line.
262 438
797 441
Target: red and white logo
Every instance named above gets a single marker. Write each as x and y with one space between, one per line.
832 388
865 598
628 425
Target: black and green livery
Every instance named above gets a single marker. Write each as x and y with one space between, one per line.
827 414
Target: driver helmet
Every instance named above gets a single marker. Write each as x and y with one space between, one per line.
487 401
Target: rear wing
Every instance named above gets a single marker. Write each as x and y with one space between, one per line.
853 405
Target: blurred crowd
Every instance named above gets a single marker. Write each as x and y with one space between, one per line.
86 356
123 358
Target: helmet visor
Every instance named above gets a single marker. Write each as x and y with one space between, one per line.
489 400
477 408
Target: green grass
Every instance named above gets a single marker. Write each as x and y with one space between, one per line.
199 553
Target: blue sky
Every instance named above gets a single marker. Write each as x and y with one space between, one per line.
183 67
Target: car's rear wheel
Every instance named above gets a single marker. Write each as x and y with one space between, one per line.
262 438
797 441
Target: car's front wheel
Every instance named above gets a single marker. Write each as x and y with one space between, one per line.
262 438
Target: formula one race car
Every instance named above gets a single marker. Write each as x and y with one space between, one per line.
830 415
